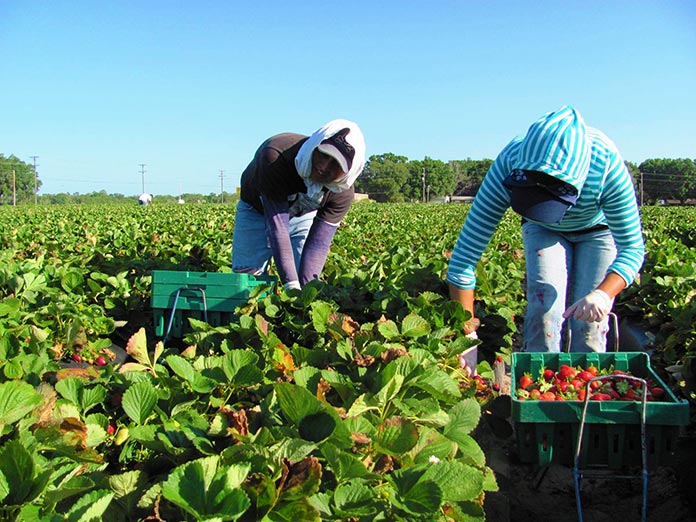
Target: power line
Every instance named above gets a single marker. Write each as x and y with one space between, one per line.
36 199
142 173
222 190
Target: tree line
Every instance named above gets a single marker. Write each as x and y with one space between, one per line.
386 178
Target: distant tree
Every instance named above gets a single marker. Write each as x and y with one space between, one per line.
384 178
469 174
635 172
432 176
668 179
22 190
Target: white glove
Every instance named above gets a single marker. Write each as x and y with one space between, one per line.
594 307
292 285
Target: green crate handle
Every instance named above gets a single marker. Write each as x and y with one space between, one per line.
176 299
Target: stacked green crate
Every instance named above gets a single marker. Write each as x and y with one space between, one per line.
547 431
206 296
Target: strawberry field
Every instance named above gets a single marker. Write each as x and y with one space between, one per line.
344 401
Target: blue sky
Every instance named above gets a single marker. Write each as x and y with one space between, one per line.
190 89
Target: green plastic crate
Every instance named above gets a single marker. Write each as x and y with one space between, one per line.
178 296
547 431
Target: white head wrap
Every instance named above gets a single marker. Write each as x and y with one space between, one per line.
303 161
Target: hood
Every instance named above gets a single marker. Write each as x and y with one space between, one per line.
557 144
303 161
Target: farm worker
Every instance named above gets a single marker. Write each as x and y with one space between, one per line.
294 194
145 199
581 229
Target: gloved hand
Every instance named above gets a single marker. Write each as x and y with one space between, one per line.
292 285
471 326
594 307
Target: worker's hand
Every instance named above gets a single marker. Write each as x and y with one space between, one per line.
594 307
292 285
471 326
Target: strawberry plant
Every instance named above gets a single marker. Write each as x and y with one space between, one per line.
345 400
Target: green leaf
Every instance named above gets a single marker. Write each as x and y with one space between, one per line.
181 367
71 389
397 435
321 313
207 491
296 402
388 329
126 483
21 473
240 367
317 426
356 499
17 399
9 306
294 512
72 487
92 397
139 401
424 498
464 417
438 384
414 326
4 487
91 506
457 481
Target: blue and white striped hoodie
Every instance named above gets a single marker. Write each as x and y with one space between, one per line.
561 145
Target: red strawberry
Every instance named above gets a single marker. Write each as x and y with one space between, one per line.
525 381
548 374
548 396
600 397
657 392
566 372
585 375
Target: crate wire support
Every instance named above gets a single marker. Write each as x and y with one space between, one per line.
579 474
614 329
176 299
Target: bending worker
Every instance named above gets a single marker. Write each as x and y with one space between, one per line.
581 229
294 194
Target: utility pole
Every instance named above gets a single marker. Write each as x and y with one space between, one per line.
35 196
142 174
222 190
423 184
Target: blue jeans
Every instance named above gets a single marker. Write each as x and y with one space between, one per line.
251 247
562 268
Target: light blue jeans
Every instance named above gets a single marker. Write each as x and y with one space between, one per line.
562 268
251 247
